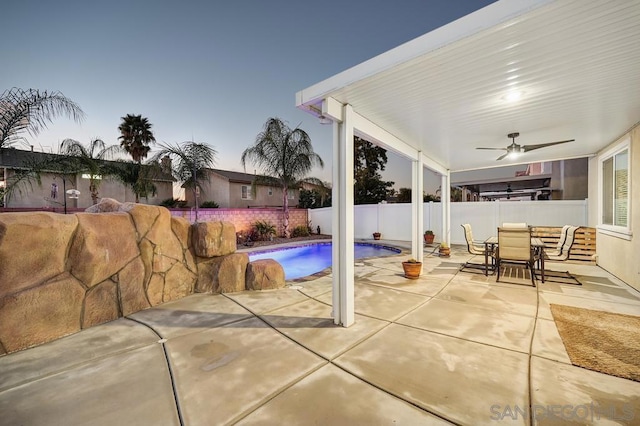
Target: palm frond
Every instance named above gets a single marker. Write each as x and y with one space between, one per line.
31 111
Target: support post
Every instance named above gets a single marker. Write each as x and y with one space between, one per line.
342 232
445 200
417 208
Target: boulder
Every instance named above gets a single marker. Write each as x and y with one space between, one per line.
105 205
41 314
97 251
265 274
222 274
211 239
100 304
144 216
32 248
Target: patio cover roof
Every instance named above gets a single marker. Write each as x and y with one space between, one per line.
576 65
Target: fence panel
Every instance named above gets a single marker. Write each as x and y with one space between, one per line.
393 221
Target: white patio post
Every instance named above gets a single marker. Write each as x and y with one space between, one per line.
417 208
342 232
445 200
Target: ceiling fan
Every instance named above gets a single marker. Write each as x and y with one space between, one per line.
515 149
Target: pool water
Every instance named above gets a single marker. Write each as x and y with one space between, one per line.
306 260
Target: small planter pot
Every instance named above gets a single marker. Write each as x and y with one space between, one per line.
376 235
445 252
428 238
412 269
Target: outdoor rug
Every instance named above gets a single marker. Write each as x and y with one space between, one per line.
600 341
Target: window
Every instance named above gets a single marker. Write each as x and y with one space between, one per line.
615 190
246 192
270 191
291 195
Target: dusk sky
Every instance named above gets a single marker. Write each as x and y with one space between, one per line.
210 71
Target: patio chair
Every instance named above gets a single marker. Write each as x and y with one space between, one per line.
562 277
514 247
563 237
566 245
476 248
512 225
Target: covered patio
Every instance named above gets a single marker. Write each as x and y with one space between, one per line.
550 70
449 348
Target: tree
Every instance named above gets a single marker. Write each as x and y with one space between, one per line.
313 199
91 160
138 177
189 162
136 136
369 188
404 196
31 110
285 156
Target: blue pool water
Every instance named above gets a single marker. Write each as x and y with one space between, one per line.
309 259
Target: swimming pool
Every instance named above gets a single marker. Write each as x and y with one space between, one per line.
311 258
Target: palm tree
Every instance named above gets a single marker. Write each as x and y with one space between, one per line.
32 110
138 177
136 135
91 159
189 162
285 155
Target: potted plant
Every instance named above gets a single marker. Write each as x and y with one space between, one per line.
445 250
412 269
376 235
428 236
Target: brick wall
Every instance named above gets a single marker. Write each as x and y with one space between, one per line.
244 218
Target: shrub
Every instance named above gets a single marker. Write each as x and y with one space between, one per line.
209 205
300 231
264 229
173 203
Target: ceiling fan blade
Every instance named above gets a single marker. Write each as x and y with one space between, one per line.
502 156
499 149
527 148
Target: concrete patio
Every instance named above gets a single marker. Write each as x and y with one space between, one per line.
451 347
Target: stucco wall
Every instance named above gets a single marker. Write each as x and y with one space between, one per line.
40 195
216 188
617 255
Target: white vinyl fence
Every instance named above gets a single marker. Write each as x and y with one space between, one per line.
393 221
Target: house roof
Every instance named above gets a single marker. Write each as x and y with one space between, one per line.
13 158
237 177
575 65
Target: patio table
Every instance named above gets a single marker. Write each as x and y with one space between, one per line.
492 242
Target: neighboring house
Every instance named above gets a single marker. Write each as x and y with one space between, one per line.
233 190
553 180
50 194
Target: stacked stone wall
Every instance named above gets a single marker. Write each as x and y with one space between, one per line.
243 219
63 273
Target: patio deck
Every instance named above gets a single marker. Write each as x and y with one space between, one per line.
451 347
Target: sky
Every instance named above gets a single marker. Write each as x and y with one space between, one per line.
209 71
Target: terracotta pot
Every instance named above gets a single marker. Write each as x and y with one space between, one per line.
376 235
428 238
412 270
445 252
